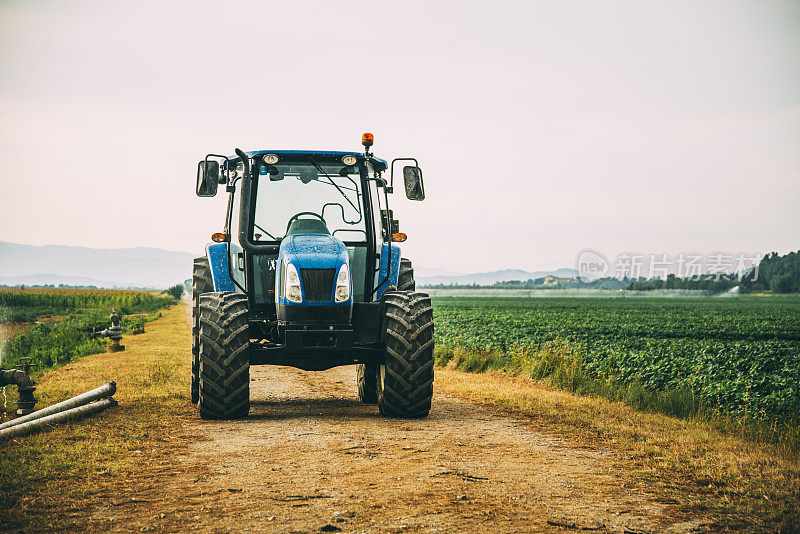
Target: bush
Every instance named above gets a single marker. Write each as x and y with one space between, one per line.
176 291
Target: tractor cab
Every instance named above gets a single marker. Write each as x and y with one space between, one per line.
309 249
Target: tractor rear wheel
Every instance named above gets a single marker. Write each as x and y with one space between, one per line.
405 280
201 283
406 379
368 383
224 391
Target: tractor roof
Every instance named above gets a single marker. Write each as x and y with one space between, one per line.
377 163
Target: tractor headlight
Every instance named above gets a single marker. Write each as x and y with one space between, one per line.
291 288
349 160
343 284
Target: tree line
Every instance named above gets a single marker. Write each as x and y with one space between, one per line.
780 274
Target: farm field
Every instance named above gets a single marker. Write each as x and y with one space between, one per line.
735 357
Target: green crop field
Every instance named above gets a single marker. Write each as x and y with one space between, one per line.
65 319
26 305
737 357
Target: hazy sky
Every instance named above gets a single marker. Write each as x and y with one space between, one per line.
543 128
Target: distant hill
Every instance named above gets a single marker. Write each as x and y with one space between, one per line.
54 279
490 278
157 268
81 266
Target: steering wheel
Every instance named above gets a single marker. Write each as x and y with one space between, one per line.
298 215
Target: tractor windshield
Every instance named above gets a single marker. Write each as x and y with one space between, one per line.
309 197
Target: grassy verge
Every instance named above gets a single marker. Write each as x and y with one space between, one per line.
560 363
706 473
46 480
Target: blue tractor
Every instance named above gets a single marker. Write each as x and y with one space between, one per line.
313 279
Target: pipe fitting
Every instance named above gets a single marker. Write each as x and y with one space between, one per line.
113 332
25 386
15 377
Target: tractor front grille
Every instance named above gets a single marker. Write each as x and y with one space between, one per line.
318 284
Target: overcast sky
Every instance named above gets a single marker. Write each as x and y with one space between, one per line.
542 127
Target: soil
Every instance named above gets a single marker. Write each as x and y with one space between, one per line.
311 458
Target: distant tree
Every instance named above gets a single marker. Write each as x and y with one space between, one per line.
176 291
780 274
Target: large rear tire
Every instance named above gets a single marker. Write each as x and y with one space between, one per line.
224 391
406 379
405 280
368 383
201 283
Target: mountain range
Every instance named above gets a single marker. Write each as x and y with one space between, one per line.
157 268
81 266
488 278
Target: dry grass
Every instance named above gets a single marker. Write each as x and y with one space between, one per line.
743 485
46 479
560 363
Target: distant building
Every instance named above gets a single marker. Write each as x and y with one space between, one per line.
551 280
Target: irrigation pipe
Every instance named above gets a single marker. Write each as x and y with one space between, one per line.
24 429
106 390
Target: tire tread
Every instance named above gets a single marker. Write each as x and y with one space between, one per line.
407 380
224 371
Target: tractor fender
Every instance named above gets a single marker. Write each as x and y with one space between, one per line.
392 270
217 254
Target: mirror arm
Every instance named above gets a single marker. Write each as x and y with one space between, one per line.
227 164
416 164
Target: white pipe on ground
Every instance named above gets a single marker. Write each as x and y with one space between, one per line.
24 429
106 390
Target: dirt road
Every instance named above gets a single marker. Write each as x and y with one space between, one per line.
311 458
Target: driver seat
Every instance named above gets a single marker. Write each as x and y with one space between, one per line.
307 226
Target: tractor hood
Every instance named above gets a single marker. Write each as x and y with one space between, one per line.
313 251
308 273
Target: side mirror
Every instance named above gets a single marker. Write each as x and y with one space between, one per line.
208 177
412 177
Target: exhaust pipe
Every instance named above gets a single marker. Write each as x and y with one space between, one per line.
23 429
106 390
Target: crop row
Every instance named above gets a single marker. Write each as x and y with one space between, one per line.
70 299
736 355
25 305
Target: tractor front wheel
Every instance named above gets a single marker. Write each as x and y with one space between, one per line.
224 391
406 379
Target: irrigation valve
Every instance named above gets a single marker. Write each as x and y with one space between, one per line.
20 377
114 333
26 401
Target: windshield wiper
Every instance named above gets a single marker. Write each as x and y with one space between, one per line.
334 184
269 234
